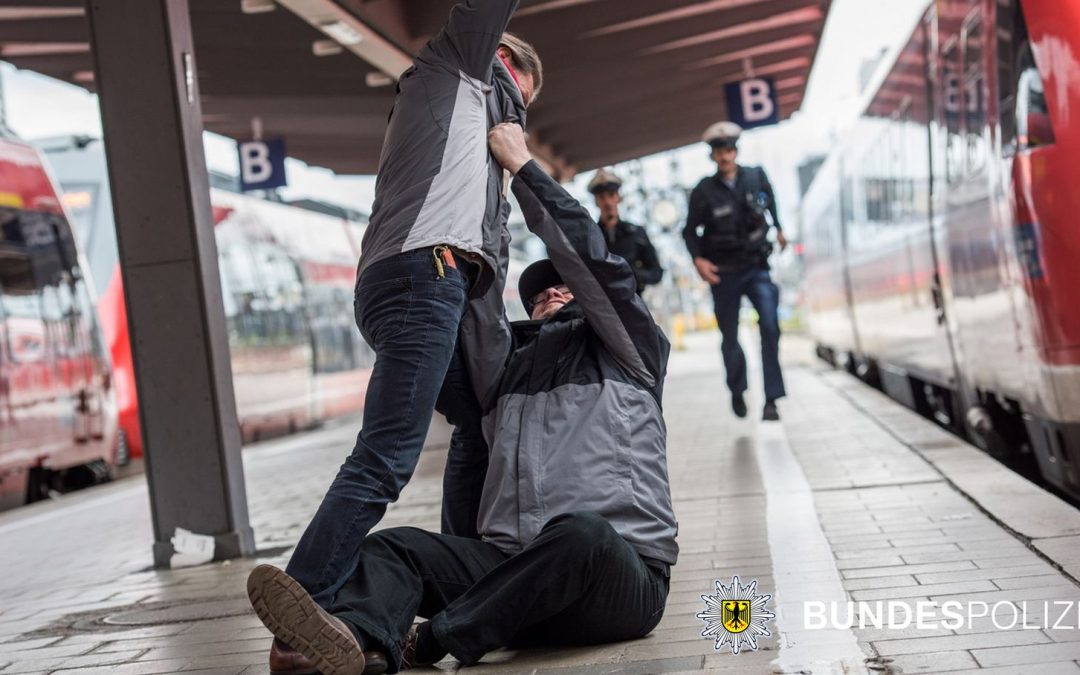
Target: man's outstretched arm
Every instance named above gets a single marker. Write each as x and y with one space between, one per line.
602 282
471 36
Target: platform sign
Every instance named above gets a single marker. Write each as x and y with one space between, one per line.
262 164
753 102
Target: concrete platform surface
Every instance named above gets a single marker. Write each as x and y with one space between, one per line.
851 499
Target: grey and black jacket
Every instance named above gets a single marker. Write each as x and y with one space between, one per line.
577 423
437 183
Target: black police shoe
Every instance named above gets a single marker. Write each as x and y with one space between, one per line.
738 405
770 414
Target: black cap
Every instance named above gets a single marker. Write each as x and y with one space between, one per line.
724 144
537 278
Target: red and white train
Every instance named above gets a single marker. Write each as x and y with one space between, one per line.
57 404
287 277
942 242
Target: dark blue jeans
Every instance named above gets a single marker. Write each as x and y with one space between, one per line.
410 316
764 295
577 583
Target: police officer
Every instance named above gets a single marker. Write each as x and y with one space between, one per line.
630 242
726 230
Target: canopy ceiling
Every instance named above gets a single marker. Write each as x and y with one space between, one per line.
623 78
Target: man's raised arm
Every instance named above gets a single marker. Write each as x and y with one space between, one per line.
601 282
472 35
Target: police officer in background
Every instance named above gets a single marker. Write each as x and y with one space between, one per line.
630 242
729 217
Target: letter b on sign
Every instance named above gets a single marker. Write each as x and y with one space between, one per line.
752 103
262 164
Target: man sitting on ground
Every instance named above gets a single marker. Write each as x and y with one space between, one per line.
576 516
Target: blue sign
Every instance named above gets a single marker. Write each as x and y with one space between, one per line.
262 164
753 102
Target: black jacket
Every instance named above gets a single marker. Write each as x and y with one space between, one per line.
728 225
632 243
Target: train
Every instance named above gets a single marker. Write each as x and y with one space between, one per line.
58 415
287 278
941 249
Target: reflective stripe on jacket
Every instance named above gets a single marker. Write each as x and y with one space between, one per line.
577 424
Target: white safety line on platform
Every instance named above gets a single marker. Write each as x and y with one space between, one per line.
109 494
804 568
64 506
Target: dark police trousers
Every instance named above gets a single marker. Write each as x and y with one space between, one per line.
764 295
577 583
410 317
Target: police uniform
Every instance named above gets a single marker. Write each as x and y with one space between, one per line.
727 225
627 240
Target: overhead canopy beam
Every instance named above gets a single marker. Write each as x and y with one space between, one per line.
352 33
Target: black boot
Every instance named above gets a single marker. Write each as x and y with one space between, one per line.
738 405
770 414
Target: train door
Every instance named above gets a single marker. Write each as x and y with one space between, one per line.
13 472
845 209
975 252
941 397
78 338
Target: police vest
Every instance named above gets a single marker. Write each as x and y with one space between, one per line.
735 223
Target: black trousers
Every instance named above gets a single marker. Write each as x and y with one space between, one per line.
467 458
577 583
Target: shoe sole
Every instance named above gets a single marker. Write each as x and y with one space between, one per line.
287 610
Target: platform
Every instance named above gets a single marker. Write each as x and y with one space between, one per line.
851 497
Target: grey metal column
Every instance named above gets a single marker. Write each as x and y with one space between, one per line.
145 67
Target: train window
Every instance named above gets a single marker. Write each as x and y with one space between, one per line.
974 93
1033 125
952 101
266 303
24 262
1010 32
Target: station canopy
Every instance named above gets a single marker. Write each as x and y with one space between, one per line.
623 78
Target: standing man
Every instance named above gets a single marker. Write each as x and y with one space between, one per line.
628 241
726 234
434 251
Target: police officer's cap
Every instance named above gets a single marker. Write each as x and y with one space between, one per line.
722 134
605 180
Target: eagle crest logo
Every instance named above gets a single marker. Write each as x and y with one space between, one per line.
735 616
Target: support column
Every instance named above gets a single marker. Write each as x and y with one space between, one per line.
145 67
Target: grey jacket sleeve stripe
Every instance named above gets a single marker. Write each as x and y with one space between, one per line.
473 33
602 283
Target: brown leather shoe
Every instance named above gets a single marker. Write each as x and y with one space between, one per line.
408 650
284 660
296 619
